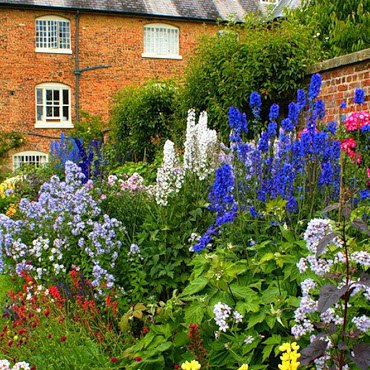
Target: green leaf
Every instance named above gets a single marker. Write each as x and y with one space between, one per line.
274 339
181 339
195 286
266 352
194 313
267 257
256 319
243 292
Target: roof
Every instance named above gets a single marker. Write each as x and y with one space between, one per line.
203 10
279 9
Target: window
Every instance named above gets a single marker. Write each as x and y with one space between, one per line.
53 106
161 41
29 158
273 2
53 35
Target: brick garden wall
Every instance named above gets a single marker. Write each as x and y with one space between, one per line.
340 77
104 39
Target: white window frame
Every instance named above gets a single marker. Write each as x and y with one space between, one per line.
48 24
31 157
161 41
51 102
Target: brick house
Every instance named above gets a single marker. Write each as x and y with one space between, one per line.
58 57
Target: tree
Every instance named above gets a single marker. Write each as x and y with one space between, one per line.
342 26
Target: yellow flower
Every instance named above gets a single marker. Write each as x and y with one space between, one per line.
11 210
193 365
289 357
244 367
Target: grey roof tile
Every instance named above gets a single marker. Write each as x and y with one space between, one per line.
212 10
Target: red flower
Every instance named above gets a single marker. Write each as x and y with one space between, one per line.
63 338
54 292
138 359
145 330
49 336
10 342
176 366
114 359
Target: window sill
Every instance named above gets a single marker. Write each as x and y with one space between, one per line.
54 125
158 56
53 51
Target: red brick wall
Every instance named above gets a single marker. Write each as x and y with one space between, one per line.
104 39
340 77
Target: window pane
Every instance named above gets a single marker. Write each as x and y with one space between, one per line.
65 113
49 95
65 96
56 111
52 34
49 111
39 113
39 96
56 95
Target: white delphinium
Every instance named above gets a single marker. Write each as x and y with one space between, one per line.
169 176
200 146
207 142
190 141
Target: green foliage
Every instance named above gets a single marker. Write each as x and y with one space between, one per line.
269 58
147 170
341 26
142 117
8 141
89 127
163 237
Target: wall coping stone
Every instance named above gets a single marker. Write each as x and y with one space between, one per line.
341 61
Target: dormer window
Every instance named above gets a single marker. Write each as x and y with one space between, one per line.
53 35
161 41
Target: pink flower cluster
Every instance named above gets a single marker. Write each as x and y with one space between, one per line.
356 120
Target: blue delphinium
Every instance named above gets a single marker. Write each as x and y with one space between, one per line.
255 104
293 112
238 124
301 99
292 205
272 129
287 125
320 108
64 150
315 87
359 97
332 127
221 196
253 212
343 105
274 112
263 144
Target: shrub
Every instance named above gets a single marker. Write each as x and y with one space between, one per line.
142 117
267 57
